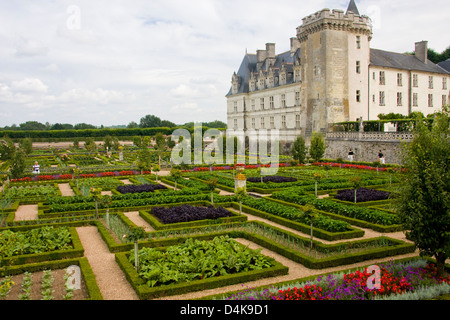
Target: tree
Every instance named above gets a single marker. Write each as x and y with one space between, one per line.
7 148
212 183
136 234
176 175
423 204
144 159
132 125
26 145
150 121
356 183
90 145
240 194
18 164
299 149
161 146
310 214
317 149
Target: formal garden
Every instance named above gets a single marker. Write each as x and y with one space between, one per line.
134 226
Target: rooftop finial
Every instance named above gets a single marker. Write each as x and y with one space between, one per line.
352 7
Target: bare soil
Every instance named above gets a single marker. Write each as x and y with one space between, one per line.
58 287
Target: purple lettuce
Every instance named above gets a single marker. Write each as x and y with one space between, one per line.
362 195
186 213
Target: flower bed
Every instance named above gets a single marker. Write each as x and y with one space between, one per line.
186 213
362 195
395 279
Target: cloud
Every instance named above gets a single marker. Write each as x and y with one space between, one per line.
31 48
116 61
29 85
186 108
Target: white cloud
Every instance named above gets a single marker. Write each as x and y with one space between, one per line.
31 48
29 85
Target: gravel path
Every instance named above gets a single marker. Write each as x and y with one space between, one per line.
137 220
66 190
26 212
110 278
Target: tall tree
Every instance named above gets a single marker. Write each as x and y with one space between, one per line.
423 204
317 148
150 121
299 149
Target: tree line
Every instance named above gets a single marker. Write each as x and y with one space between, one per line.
148 121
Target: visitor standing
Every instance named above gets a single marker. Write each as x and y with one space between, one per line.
350 155
36 168
381 157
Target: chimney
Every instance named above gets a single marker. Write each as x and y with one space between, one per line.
421 51
261 55
270 49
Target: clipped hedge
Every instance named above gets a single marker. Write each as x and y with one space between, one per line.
145 292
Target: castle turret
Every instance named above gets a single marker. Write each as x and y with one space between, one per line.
335 53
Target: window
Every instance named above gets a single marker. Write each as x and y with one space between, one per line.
430 82
262 123
235 124
373 98
415 80
358 42
271 102
283 101
358 66
444 100
235 107
358 96
283 121
253 123
399 99
399 79
297 98
381 98
444 83
297 121
415 99
382 79
272 123
430 100
374 76
253 104
261 103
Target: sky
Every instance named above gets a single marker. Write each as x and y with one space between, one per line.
113 62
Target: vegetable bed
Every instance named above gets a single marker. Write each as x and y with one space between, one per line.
187 213
362 195
131 188
197 260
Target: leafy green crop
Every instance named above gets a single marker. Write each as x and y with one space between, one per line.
37 240
195 260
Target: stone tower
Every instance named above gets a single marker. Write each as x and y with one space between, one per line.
335 54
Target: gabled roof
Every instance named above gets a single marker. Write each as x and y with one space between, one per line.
403 61
445 65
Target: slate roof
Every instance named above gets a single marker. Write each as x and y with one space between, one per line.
445 65
352 7
248 66
403 61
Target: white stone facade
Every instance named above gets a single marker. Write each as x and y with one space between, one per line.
331 75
